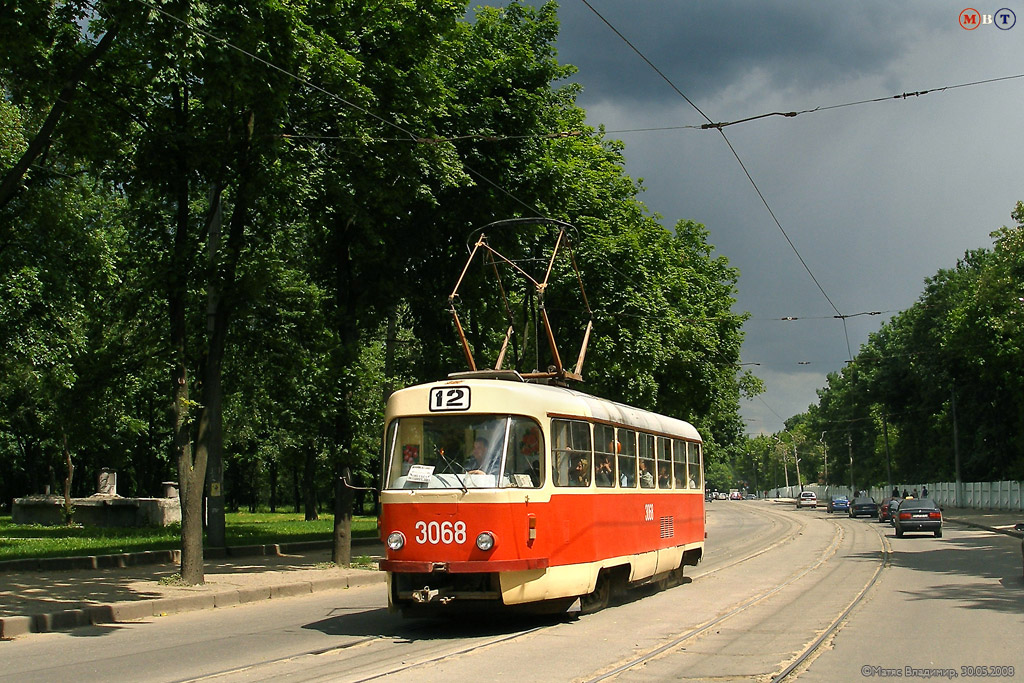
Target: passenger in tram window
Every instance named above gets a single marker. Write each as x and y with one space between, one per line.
605 476
664 480
626 472
580 475
646 478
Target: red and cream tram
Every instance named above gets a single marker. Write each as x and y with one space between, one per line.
499 491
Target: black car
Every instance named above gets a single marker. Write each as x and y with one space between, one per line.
918 514
863 506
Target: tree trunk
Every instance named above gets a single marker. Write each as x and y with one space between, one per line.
220 282
273 485
209 439
343 498
309 483
69 510
191 470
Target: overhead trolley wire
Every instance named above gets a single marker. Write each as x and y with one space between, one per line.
485 137
736 155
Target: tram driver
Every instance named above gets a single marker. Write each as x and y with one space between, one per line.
475 462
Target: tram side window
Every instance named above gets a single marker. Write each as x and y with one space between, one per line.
696 481
645 451
664 463
627 457
605 449
523 468
570 453
679 463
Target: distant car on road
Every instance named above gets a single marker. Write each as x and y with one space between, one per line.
863 506
735 495
886 508
807 499
839 504
918 514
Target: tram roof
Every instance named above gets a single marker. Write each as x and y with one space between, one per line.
565 401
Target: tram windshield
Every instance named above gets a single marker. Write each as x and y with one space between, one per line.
464 451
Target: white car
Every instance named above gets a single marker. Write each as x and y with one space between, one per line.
807 499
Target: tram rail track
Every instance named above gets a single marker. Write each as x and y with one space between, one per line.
813 648
790 529
807 652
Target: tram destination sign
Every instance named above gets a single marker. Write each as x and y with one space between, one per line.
449 399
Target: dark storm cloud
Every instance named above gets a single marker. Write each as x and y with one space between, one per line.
705 47
876 197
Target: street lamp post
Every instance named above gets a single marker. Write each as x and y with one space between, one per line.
849 445
824 452
785 464
796 459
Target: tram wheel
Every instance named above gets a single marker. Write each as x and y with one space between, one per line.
672 579
598 600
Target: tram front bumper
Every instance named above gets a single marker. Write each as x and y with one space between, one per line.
463 567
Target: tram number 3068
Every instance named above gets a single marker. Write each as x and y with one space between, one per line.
443 533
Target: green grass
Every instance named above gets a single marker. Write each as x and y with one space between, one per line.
22 541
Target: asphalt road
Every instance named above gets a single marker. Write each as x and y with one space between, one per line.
773 581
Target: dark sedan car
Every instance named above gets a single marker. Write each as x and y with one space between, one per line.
839 504
863 506
886 508
918 514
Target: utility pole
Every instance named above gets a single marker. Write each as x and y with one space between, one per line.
849 445
785 464
796 460
888 465
824 452
956 453
753 461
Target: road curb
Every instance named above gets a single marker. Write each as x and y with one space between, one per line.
134 610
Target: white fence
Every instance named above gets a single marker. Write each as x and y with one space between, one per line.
979 495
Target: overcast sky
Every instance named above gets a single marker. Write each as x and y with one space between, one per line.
875 197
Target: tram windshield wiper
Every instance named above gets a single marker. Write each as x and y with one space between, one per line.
451 467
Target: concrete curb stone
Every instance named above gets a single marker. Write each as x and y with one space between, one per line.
12 627
132 610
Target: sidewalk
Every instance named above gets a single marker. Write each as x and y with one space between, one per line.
993 520
60 599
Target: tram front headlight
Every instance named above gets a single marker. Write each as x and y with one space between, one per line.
485 540
396 540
